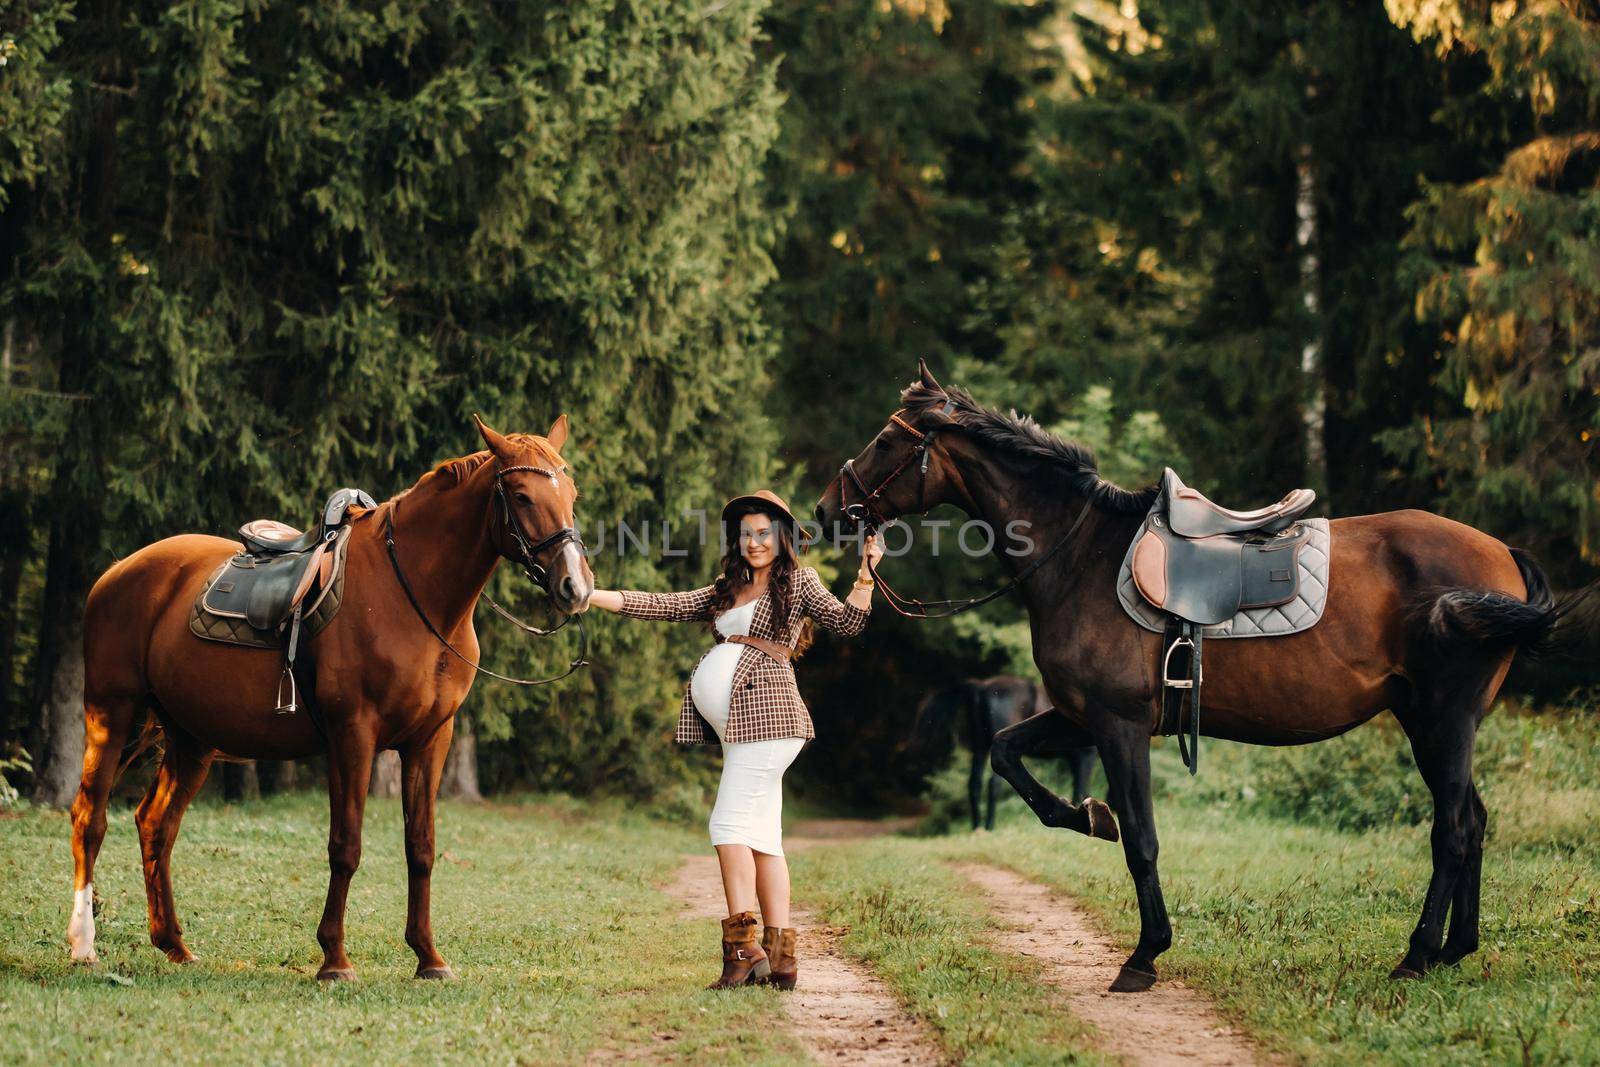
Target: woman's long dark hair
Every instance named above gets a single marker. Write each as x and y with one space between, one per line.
737 573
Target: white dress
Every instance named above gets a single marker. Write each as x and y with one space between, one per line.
749 808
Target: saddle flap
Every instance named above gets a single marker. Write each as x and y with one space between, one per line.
1150 567
261 592
1204 578
1271 570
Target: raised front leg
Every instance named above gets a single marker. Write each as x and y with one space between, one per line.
349 772
421 767
1048 733
183 772
1125 751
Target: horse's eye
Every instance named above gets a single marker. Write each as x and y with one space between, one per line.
881 445
525 499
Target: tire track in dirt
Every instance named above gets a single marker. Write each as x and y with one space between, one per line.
1166 1026
840 1010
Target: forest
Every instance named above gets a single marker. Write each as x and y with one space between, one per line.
252 251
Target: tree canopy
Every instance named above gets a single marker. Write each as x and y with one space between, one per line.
253 250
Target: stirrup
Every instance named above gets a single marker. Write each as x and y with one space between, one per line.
288 668
1167 680
294 693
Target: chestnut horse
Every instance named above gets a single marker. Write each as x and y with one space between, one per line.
1423 618
382 679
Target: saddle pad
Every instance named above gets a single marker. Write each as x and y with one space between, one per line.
1301 613
235 630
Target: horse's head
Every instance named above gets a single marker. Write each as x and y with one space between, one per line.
533 507
901 471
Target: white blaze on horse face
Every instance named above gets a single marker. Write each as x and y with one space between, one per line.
582 581
80 928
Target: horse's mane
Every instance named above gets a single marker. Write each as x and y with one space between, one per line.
455 471
1022 438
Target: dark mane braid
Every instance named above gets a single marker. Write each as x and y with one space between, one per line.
737 574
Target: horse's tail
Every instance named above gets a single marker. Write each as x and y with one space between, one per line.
1467 621
151 736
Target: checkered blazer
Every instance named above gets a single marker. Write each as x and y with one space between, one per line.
766 702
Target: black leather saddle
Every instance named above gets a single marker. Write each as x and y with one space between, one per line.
259 597
280 565
1202 564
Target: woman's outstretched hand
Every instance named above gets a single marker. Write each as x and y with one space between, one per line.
861 593
871 553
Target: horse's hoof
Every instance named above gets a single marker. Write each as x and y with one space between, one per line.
1403 971
337 974
87 959
442 973
180 954
1102 824
1132 980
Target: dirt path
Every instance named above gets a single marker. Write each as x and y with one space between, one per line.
1168 1025
840 1011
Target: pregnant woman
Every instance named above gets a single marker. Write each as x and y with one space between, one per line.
760 609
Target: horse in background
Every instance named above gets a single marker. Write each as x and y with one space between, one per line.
982 708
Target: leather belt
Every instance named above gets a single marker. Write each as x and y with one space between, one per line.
780 652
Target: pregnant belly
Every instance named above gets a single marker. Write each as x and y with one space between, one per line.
712 684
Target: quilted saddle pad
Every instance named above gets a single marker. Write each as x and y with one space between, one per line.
1301 613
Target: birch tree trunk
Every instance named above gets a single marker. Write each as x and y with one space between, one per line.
1316 403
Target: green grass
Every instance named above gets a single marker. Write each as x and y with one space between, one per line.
551 918
1293 925
1292 893
924 931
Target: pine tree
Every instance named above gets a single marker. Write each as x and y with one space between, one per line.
1505 266
271 248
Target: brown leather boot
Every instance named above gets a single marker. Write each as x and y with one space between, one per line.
778 944
742 959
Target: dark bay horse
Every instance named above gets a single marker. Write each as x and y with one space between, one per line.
382 679
1423 618
981 708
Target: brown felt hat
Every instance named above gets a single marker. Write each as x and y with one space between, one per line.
771 503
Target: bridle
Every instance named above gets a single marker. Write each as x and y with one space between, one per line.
531 553
531 566
867 517
866 512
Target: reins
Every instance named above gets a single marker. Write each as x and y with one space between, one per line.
866 516
530 566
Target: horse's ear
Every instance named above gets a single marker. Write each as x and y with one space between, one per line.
927 378
557 434
497 444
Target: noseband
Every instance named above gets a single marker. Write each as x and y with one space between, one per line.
531 566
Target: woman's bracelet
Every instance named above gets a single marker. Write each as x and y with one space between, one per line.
864 583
